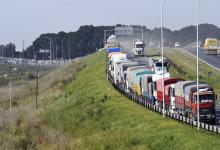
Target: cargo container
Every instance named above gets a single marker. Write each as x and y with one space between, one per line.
146 87
117 66
137 78
123 68
130 73
114 49
159 89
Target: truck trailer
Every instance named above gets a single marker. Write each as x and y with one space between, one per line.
159 90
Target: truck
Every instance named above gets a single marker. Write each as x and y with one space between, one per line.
211 46
113 60
146 88
177 44
185 94
138 48
156 63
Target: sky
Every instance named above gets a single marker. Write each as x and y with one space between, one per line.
27 19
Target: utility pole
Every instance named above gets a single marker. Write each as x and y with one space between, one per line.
37 88
50 51
62 48
2 54
12 50
69 47
22 54
10 88
33 50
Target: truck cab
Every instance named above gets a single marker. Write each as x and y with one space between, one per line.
206 105
138 47
211 46
158 67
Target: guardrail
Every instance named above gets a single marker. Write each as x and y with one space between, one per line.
154 108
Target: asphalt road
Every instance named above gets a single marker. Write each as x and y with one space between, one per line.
213 60
217 108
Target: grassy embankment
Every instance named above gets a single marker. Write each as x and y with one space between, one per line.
183 66
96 116
23 128
91 114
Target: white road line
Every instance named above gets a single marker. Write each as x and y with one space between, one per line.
202 60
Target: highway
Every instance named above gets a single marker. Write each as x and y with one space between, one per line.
213 60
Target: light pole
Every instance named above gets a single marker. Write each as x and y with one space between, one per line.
22 53
2 54
69 47
162 49
105 42
197 64
50 49
142 37
10 90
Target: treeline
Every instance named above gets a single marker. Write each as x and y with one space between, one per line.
89 38
9 50
86 40
185 36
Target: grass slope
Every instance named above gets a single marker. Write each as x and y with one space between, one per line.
96 116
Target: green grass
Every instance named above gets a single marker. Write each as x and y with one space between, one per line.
23 128
95 116
183 66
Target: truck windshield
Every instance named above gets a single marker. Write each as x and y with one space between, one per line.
205 98
159 64
140 46
213 43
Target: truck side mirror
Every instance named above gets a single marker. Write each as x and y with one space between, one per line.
216 96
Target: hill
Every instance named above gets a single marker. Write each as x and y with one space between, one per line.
91 114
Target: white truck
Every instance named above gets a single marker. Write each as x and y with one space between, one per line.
138 47
156 63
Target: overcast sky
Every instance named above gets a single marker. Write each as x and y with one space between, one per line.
27 19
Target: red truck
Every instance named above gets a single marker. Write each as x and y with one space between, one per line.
185 95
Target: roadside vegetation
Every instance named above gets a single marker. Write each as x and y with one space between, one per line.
183 66
23 83
84 111
23 127
96 116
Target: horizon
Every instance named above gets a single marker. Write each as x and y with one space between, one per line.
20 49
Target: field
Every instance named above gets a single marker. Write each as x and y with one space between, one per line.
183 66
23 82
88 113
